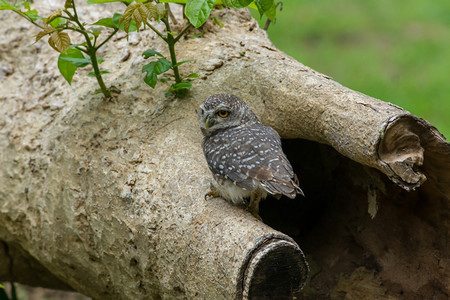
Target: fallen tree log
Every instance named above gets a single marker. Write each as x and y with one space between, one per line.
107 198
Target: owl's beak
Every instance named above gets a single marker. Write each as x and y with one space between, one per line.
207 123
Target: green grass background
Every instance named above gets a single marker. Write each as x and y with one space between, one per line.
396 51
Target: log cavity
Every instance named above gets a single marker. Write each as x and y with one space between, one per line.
362 234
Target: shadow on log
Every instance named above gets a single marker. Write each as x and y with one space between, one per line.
108 197
14 260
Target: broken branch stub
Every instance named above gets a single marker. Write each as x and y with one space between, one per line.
404 147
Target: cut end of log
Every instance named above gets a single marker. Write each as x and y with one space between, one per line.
276 269
402 149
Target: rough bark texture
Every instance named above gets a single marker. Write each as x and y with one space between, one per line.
108 197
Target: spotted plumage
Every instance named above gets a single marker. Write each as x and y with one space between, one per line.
244 156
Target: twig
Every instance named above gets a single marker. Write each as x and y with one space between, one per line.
266 26
171 15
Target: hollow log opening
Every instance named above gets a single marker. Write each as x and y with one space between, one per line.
275 270
363 236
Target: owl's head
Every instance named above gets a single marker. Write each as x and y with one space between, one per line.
223 111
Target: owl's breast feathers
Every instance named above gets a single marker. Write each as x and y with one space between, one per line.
251 156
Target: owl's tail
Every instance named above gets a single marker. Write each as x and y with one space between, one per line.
287 188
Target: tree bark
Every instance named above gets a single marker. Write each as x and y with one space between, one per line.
107 198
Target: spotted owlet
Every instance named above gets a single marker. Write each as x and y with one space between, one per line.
245 156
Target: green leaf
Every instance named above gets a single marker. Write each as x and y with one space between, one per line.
96 31
264 5
33 15
155 68
182 62
116 19
54 15
192 75
162 65
271 13
150 53
92 74
158 67
57 21
66 67
184 85
253 5
198 11
79 62
4 5
180 89
106 22
237 3
68 4
151 79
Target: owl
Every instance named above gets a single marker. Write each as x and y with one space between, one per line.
245 156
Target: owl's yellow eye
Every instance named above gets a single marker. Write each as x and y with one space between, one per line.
223 113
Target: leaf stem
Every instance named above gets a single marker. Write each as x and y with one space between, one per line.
156 31
76 15
95 41
81 49
28 18
182 32
91 50
171 15
93 56
108 38
171 43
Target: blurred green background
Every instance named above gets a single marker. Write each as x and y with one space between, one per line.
396 51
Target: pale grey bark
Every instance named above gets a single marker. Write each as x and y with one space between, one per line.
109 196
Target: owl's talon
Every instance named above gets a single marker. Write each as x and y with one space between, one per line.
253 205
254 210
256 215
213 192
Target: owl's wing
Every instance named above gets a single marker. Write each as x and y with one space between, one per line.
274 171
223 153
